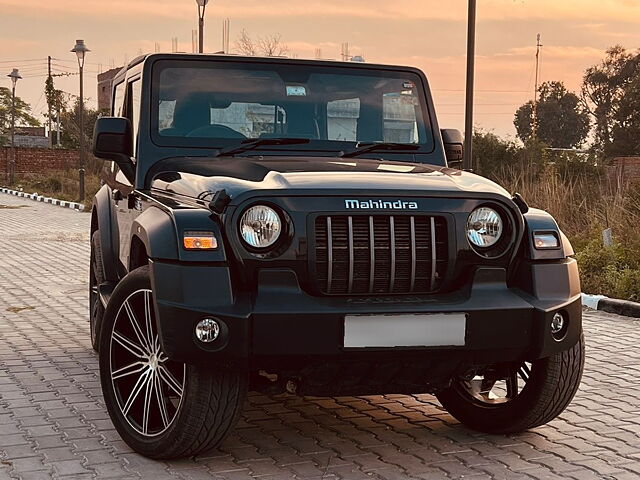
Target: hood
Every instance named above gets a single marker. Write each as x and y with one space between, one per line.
201 177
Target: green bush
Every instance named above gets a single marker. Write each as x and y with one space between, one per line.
613 271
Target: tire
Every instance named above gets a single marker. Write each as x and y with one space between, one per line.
96 277
551 384
190 409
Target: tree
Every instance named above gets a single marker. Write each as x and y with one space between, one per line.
561 120
268 46
625 132
23 115
603 89
70 134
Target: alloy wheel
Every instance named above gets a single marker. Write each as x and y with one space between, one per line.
148 386
498 386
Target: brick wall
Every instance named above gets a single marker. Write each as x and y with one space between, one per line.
35 160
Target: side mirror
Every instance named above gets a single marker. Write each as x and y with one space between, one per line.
113 140
453 146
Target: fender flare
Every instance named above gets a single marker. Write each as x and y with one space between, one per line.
103 220
156 229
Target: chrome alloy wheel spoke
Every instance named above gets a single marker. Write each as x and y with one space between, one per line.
148 321
147 402
136 327
133 348
129 370
170 380
137 388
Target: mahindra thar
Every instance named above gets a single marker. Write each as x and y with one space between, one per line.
280 225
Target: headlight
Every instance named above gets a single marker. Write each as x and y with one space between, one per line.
484 227
260 226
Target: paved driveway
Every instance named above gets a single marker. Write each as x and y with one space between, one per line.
53 422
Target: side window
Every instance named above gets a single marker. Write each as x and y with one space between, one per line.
400 113
342 119
118 101
135 93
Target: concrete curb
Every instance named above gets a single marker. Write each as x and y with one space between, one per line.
39 198
612 305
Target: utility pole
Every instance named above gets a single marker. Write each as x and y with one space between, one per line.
49 83
534 127
471 56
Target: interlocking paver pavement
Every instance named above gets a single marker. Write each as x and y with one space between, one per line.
53 422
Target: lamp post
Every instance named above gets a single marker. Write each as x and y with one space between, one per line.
11 170
202 4
80 50
471 53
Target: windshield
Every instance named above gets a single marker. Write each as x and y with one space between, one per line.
220 104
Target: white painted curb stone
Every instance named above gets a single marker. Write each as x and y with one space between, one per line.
39 198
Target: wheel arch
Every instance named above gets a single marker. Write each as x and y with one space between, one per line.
153 237
102 219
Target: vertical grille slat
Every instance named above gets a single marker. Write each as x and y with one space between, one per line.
434 258
380 254
413 254
351 254
392 242
372 255
329 255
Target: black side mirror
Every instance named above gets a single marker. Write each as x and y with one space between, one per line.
453 146
113 140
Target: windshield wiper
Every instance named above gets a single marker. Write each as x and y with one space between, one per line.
365 147
252 143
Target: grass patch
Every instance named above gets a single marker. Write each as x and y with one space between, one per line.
60 184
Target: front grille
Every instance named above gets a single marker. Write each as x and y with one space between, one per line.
373 254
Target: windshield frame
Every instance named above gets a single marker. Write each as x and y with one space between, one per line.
315 145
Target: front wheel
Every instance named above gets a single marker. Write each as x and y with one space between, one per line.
510 398
161 408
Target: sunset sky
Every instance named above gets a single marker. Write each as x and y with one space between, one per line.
428 34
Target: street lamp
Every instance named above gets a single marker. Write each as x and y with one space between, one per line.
11 170
202 4
471 53
80 50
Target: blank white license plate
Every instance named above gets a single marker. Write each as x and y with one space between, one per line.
408 330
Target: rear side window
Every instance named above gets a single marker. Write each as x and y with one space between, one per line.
118 101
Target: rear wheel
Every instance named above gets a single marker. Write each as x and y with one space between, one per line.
510 398
161 408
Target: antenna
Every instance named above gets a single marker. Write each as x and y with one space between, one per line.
345 52
318 54
157 47
534 128
174 44
226 25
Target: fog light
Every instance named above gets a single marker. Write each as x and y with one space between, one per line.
207 330
557 324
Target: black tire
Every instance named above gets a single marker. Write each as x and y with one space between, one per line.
96 277
551 385
197 420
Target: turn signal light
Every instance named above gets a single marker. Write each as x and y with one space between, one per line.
199 241
544 241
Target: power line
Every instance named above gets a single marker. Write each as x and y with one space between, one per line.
24 61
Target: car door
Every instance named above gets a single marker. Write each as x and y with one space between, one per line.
126 203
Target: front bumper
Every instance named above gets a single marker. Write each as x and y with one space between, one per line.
281 322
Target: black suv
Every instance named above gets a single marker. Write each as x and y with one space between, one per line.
282 225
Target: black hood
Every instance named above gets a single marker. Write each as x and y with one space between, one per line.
197 176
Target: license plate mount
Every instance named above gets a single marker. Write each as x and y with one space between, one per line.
405 330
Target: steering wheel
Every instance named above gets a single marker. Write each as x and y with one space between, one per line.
215 131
